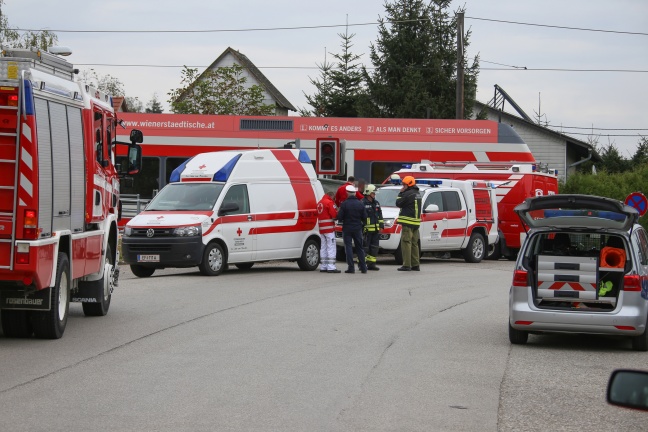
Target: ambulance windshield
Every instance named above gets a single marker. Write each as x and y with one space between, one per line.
387 196
186 196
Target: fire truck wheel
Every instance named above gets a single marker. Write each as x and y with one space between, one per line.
517 337
476 248
244 266
213 262
494 252
640 343
15 324
141 271
105 285
51 324
310 256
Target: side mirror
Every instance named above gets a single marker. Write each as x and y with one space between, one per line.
227 208
134 159
629 389
432 208
136 136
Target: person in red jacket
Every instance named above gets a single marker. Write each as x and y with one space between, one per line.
341 193
326 215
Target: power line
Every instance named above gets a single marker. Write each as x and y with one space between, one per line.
559 27
330 26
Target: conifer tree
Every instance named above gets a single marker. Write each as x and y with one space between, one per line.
415 66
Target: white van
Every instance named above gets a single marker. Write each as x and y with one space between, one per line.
226 207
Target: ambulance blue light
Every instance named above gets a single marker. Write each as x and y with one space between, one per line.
406 166
223 174
303 157
430 182
29 98
175 175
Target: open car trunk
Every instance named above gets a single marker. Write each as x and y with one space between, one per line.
577 270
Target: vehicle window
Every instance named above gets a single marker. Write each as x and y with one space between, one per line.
186 196
238 194
283 197
452 201
434 198
642 241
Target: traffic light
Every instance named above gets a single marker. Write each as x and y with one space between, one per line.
328 156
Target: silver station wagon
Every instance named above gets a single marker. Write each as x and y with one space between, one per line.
583 268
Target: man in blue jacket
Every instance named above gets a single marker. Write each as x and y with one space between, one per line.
351 216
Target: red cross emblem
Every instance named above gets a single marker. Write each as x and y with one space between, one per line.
239 232
434 226
203 166
160 217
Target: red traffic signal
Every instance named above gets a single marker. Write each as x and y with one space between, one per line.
328 156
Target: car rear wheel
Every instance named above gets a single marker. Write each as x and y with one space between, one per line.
518 337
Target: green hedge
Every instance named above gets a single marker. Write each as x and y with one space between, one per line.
617 186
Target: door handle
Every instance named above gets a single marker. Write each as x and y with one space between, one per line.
249 217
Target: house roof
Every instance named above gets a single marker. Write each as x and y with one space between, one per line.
582 147
255 72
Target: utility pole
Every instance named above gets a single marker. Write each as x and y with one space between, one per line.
460 66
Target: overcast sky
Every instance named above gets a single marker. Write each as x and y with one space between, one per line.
607 101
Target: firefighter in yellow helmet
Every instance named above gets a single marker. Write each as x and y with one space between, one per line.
373 226
409 202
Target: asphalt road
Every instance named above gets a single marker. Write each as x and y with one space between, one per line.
277 349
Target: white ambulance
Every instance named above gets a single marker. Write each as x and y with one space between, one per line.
229 207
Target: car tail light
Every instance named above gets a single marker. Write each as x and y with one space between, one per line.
631 283
30 224
520 278
12 100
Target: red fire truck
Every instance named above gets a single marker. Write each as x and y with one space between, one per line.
59 194
513 183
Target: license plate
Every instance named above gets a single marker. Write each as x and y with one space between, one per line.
148 258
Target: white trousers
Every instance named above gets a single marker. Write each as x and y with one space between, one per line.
327 251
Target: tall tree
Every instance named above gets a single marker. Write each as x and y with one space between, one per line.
612 161
321 99
154 106
340 86
641 155
220 91
415 63
11 37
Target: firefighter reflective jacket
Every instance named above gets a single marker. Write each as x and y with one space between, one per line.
374 215
409 202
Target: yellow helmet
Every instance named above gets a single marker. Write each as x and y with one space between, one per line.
409 181
370 189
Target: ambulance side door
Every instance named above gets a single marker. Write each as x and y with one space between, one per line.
433 223
238 226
